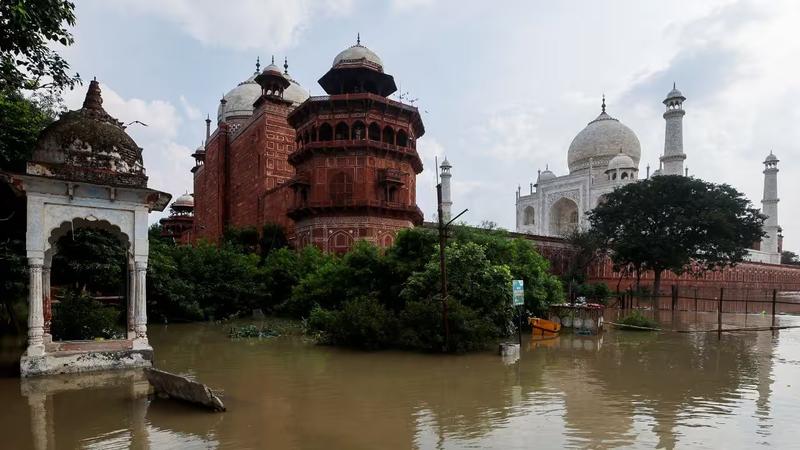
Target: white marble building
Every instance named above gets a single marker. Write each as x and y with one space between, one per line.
605 155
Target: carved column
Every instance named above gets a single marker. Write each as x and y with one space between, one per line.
47 305
35 312
140 304
131 316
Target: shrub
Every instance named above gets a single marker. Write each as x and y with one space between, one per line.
78 316
251 331
421 327
362 322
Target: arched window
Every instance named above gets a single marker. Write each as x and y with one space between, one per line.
391 194
341 188
624 175
313 134
388 240
325 132
530 216
358 131
614 176
388 135
374 132
340 242
342 131
402 138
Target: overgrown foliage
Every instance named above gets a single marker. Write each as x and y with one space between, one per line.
677 223
368 298
78 316
637 319
28 31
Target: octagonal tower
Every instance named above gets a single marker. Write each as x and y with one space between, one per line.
356 161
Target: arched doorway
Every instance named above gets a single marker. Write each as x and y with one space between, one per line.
563 217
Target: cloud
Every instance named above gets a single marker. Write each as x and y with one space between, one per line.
243 24
167 162
192 113
411 5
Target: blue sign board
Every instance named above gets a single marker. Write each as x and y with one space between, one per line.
518 291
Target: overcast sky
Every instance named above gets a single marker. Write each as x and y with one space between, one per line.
503 87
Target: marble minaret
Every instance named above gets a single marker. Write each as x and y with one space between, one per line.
447 202
673 137
769 206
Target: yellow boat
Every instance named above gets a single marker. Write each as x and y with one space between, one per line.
543 327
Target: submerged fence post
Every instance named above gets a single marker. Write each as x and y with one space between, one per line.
774 300
719 313
695 299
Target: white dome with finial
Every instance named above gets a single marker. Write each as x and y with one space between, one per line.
600 141
186 201
621 161
357 54
238 102
545 175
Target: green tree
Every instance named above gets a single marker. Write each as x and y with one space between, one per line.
28 30
791 258
677 223
21 121
93 260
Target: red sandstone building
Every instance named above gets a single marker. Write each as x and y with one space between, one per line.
331 169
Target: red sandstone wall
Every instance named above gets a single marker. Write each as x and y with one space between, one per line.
208 190
742 276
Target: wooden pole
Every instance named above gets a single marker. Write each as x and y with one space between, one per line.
443 267
719 313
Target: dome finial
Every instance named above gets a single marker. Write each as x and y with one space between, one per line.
673 85
603 106
93 98
273 60
286 65
258 64
358 38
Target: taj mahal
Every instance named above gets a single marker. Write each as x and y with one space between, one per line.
604 156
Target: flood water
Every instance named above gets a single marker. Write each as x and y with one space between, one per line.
621 389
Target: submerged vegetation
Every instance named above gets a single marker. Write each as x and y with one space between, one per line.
368 298
637 319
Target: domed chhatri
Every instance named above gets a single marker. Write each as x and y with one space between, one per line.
89 145
358 55
184 201
621 161
357 70
600 141
545 175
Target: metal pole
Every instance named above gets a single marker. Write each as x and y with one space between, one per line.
519 309
719 313
443 267
774 300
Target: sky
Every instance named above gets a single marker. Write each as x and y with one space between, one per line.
503 87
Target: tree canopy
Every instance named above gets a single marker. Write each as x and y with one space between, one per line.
27 30
791 258
677 223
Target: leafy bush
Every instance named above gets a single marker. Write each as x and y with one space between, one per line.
594 292
78 316
421 327
362 323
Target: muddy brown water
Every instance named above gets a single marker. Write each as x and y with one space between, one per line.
621 389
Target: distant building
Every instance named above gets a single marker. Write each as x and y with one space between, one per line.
604 156
331 169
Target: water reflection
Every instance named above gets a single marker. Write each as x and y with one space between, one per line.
625 389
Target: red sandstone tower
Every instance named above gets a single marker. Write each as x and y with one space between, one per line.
355 159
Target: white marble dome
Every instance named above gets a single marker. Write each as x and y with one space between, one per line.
601 140
621 161
185 200
545 175
295 93
357 53
239 100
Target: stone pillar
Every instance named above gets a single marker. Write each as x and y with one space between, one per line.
35 312
47 304
140 307
131 316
